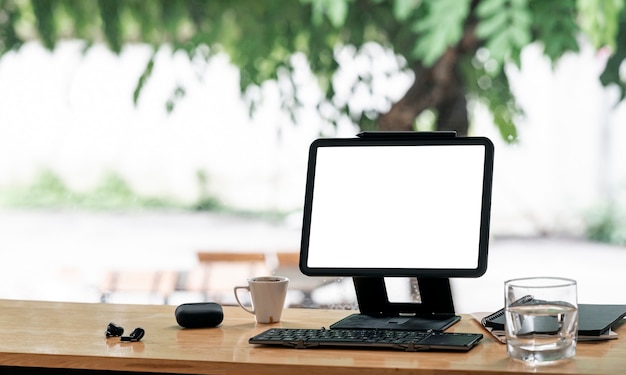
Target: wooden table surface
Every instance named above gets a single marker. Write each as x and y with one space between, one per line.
71 335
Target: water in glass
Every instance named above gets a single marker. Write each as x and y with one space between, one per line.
543 346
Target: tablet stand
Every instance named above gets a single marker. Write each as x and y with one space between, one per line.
435 312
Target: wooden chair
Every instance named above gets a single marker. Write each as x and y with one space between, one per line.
130 284
218 272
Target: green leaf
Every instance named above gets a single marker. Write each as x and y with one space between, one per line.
402 9
498 46
440 28
487 8
9 38
519 36
611 74
555 27
147 72
44 15
110 15
337 12
599 19
492 25
493 90
506 29
507 128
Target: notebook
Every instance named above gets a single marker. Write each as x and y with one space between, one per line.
594 321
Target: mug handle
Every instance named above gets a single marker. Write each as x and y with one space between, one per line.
237 298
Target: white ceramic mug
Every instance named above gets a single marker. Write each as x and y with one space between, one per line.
268 297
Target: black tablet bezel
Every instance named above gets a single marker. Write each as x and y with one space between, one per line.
399 140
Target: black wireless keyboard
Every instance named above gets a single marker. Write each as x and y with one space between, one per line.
367 338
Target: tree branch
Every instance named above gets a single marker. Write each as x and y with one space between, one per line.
439 87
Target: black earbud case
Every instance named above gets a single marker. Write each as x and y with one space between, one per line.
199 315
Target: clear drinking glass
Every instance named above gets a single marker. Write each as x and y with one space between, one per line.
541 319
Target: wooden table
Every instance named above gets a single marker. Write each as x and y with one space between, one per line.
71 335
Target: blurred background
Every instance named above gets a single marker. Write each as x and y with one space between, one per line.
155 152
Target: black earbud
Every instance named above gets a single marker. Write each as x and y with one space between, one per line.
135 335
113 330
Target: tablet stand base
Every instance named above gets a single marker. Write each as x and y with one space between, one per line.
435 312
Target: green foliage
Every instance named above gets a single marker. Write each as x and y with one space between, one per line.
492 89
44 16
607 224
440 27
206 201
335 10
10 16
554 24
110 14
49 191
505 25
402 9
261 37
147 72
611 74
599 19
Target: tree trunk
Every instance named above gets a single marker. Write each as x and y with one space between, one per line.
453 114
439 87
